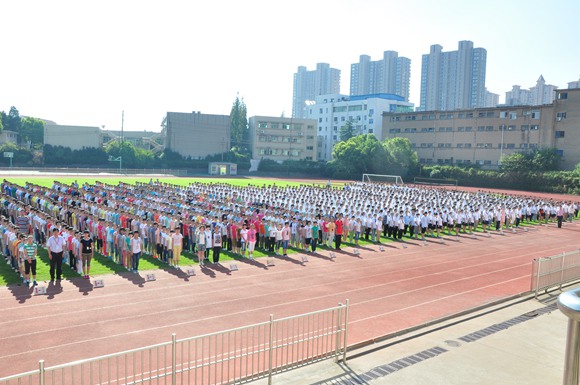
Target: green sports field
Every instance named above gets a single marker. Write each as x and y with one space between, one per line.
47 181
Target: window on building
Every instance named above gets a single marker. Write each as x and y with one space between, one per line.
460 129
534 127
503 114
320 120
490 114
468 129
441 129
559 134
525 127
511 128
481 128
336 119
461 116
513 115
560 116
488 128
423 145
342 119
262 124
467 145
431 129
535 114
560 152
449 129
371 130
479 145
371 121
511 145
334 137
310 147
414 130
481 114
459 145
371 111
487 162
562 95
469 115
524 145
442 116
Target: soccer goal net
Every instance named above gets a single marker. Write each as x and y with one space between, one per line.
435 181
377 178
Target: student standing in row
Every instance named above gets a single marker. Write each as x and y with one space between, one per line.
87 252
30 251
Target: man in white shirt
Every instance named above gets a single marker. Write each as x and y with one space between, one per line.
55 245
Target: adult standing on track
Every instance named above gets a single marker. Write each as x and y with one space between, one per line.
55 245
87 252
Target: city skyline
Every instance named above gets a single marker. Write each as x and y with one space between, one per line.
78 64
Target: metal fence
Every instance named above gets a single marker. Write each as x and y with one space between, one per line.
229 357
548 272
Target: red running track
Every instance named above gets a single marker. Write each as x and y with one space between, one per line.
388 291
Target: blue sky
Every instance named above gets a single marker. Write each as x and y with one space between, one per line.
82 63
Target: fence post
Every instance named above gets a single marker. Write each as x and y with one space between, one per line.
562 272
174 359
569 304
41 372
338 331
270 350
538 276
345 332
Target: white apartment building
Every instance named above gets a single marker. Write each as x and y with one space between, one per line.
542 93
331 112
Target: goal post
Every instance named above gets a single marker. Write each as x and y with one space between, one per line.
378 178
435 181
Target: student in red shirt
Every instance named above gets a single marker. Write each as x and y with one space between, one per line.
338 233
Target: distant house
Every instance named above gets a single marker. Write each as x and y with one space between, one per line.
7 136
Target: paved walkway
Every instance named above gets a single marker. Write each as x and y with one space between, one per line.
518 342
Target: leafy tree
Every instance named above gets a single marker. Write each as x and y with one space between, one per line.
3 120
22 156
13 121
31 129
360 154
538 160
402 155
125 150
239 124
347 131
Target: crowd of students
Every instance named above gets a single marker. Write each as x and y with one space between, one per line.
123 221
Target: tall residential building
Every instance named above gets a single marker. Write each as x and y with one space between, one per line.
542 93
309 84
365 112
390 75
453 80
491 99
574 85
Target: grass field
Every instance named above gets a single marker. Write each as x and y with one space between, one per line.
47 181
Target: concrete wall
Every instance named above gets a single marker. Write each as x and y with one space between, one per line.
75 137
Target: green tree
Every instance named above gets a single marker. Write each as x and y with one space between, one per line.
31 129
403 156
239 124
537 160
3 120
13 120
125 150
360 154
347 131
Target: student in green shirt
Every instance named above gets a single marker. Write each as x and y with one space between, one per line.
314 236
29 249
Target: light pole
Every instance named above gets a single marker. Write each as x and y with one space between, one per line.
118 159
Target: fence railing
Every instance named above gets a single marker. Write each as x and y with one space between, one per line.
233 356
549 272
89 170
